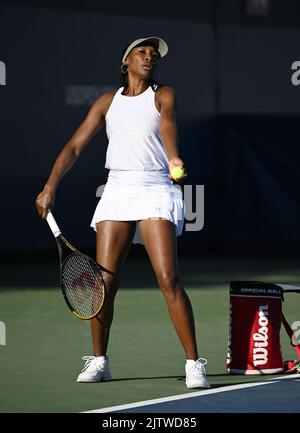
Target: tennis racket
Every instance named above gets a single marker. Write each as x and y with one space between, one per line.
81 280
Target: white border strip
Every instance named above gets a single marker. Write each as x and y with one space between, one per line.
190 395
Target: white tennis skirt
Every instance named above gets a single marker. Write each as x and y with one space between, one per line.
138 195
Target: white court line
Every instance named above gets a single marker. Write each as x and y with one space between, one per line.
190 395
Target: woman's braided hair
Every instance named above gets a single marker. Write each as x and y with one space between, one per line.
124 78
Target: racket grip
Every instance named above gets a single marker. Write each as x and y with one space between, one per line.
52 224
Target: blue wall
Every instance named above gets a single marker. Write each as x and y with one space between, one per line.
238 118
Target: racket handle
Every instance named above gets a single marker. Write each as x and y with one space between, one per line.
52 224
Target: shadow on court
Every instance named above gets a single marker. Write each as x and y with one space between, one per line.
225 379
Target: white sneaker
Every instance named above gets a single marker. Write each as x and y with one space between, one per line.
95 369
196 374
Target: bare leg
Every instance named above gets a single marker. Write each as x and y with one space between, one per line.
160 241
113 243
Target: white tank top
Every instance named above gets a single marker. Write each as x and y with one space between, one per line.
132 127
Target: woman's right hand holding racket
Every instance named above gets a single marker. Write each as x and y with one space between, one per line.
45 201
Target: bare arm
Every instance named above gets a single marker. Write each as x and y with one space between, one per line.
91 125
168 128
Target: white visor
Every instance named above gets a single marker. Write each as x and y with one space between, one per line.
162 46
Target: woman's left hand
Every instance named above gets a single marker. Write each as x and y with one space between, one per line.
176 162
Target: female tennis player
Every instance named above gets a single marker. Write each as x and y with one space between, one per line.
140 202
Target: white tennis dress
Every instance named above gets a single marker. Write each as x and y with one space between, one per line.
137 185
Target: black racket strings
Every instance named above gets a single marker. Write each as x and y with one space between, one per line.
83 284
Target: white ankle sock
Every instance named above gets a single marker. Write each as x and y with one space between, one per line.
101 358
190 362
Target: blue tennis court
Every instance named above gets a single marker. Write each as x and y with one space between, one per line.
276 395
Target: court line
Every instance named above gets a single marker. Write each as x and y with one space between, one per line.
191 395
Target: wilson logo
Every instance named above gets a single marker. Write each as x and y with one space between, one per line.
260 350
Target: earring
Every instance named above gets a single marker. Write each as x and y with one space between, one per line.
122 68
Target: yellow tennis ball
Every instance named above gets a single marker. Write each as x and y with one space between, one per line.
177 173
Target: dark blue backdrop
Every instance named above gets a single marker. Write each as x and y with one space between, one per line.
238 118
